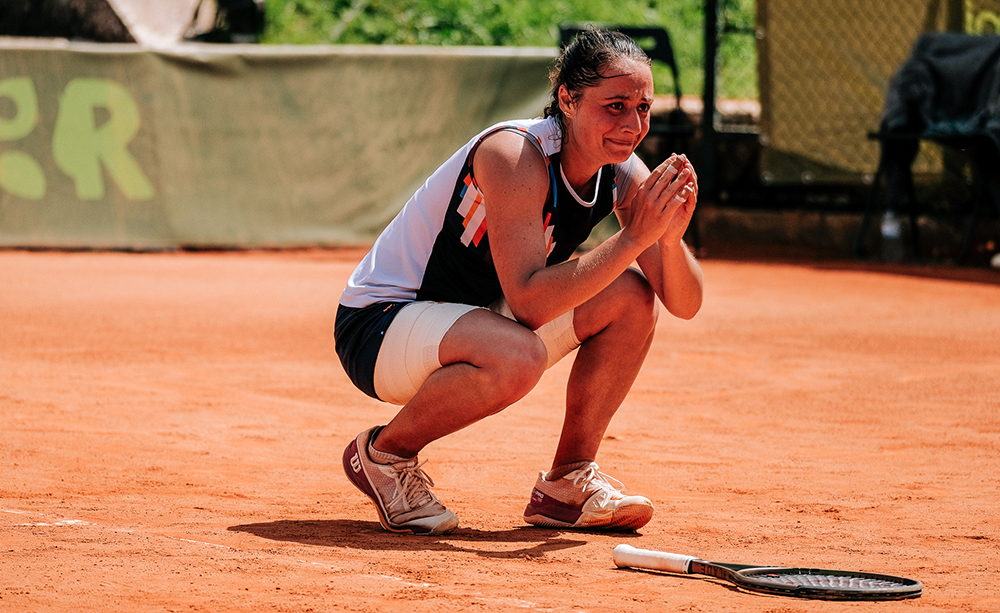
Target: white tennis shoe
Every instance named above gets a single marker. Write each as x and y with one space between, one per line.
401 491
586 498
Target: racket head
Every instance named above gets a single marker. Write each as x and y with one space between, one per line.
822 584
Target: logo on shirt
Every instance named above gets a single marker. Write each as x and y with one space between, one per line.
473 213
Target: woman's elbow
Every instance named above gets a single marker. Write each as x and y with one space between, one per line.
522 312
684 309
529 319
685 314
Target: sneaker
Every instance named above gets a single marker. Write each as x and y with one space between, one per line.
586 498
400 491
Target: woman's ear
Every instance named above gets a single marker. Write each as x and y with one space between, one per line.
565 102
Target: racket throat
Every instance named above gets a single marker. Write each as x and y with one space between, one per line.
700 567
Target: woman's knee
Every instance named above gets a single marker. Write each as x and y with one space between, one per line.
639 307
636 292
629 301
518 364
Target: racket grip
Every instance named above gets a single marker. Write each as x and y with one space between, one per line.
629 556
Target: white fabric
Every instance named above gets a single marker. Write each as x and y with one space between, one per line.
159 23
410 348
409 352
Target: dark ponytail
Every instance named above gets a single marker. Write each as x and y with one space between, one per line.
582 61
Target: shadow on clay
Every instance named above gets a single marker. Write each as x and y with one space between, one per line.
369 535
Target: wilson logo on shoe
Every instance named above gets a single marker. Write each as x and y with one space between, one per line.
356 463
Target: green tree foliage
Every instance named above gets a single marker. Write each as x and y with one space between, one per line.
526 23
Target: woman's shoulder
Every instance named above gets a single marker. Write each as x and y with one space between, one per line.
543 133
627 176
505 153
511 149
629 168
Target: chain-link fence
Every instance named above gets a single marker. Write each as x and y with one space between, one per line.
824 69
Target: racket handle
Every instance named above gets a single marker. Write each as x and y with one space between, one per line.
627 555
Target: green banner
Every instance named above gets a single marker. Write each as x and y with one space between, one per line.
118 146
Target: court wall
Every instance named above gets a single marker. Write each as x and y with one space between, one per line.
130 147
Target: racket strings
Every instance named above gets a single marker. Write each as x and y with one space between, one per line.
828 581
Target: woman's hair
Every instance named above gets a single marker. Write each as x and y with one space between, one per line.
582 61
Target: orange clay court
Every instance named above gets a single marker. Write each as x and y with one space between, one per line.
171 430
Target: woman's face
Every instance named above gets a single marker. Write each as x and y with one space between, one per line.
606 122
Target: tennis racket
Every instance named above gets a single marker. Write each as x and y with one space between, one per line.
797 582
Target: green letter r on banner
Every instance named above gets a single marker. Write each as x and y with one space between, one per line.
79 145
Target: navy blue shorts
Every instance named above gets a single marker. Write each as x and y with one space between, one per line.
358 335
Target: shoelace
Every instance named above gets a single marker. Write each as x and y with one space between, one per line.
593 479
414 483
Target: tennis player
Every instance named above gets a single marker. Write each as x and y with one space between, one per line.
472 291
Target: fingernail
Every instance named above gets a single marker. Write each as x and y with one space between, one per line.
671 169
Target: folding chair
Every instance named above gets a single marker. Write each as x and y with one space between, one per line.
945 92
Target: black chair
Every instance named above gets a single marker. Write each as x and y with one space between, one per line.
893 186
674 130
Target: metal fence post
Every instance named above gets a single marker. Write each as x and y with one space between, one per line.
707 171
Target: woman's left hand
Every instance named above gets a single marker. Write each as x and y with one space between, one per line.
683 203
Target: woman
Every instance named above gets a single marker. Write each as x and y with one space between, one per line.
471 293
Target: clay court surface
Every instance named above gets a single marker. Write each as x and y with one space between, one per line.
171 429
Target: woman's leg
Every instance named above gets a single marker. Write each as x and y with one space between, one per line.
616 329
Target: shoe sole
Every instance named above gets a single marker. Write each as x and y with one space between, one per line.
617 524
358 476
542 507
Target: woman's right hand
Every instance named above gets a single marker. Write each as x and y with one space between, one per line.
663 202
